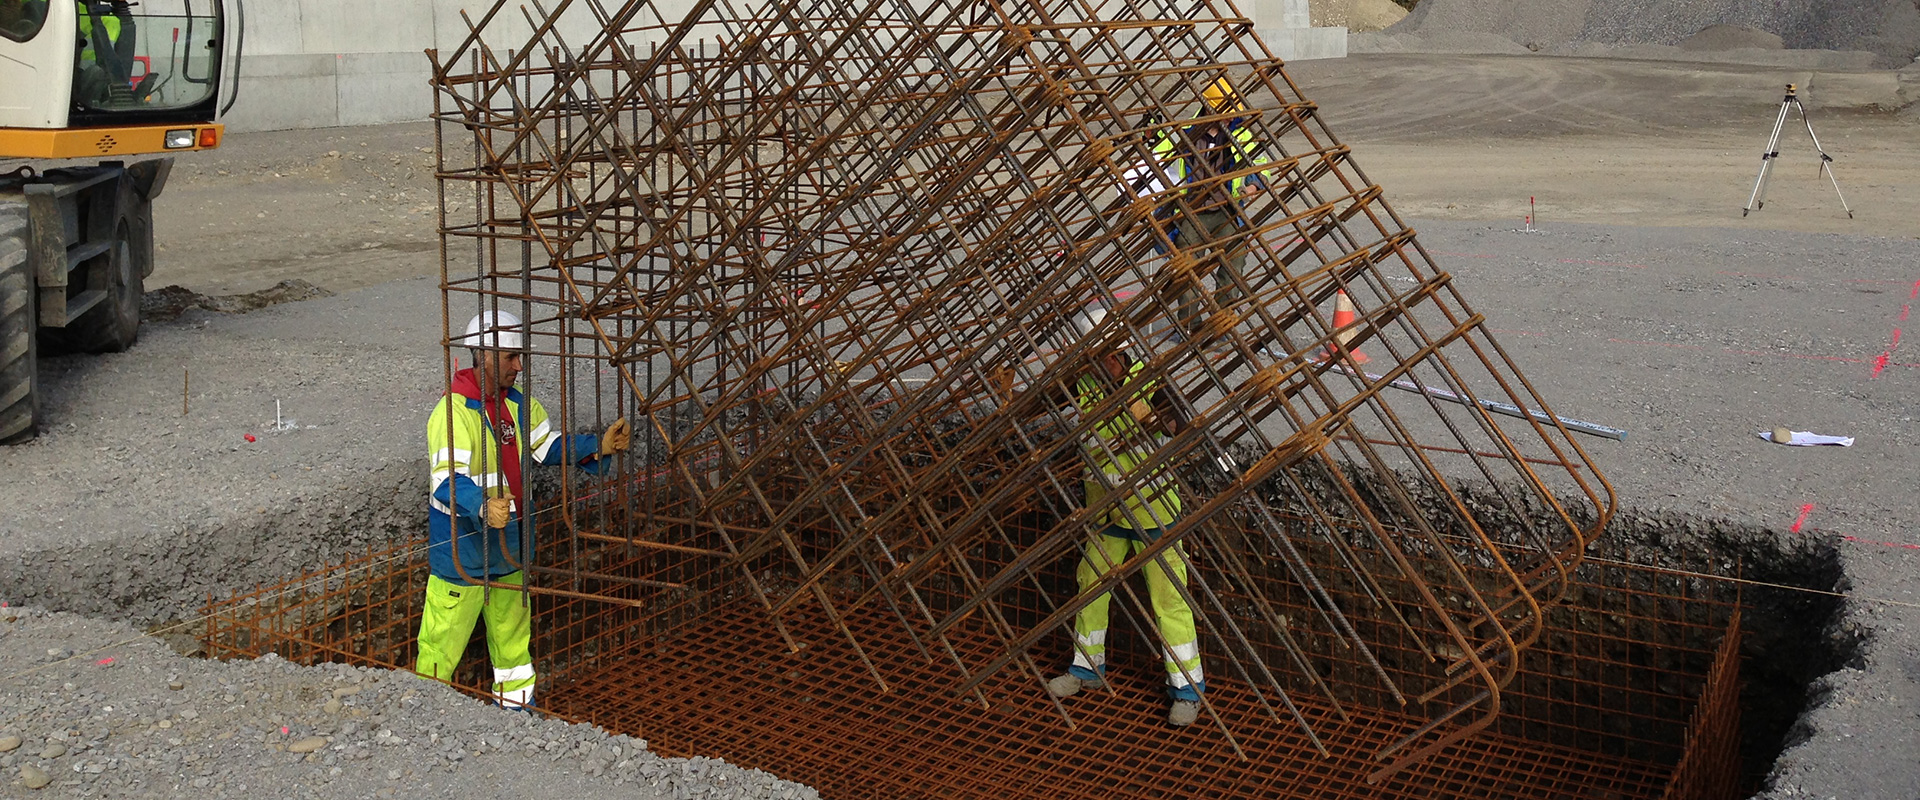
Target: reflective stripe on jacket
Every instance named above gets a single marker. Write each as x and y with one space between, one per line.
464 470
111 24
1171 152
1120 446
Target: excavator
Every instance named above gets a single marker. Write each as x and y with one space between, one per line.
86 86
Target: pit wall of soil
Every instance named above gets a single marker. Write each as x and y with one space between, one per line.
1794 627
1791 638
151 576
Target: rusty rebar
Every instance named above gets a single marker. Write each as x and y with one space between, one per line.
827 255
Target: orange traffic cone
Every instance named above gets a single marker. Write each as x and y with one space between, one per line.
1344 315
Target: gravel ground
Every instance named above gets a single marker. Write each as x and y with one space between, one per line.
96 709
1693 339
1888 28
1690 337
127 508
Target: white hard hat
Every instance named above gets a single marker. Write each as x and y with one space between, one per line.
492 330
1090 317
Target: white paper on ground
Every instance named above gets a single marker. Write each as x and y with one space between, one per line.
1809 439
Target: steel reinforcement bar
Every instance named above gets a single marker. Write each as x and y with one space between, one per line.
829 255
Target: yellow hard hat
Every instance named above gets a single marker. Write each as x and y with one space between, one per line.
1221 96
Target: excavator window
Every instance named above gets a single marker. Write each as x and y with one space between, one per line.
20 20
158 56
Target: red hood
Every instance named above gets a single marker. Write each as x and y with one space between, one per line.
494 411
466 384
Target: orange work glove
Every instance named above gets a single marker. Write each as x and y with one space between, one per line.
618 438
498 511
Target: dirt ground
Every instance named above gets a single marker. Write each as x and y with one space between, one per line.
1619 142
1647 303
1449 137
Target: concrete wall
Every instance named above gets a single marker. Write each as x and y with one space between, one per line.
1284 25
325 63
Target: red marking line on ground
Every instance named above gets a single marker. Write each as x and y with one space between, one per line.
1802 277
1882 361
1602 263
1805 511
1857 540
1802 356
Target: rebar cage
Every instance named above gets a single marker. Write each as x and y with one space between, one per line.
1631 692
854 267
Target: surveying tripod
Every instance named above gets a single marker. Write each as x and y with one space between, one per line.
1758 199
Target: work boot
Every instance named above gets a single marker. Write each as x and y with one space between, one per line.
1070 684
1183 713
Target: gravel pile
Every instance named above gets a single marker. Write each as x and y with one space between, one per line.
1357 16
1889 29
91 708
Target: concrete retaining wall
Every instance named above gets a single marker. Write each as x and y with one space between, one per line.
1286 28
325 63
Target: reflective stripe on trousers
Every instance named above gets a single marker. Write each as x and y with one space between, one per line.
1173 617
446 623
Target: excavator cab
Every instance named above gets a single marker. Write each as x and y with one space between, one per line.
153 68
94 79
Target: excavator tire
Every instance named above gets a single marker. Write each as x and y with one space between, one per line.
18 328
114 324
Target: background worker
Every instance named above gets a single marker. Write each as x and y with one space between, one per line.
1120 445
104 73
478 503
1202 155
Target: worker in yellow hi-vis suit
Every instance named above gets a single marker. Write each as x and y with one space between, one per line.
1120 446
477 506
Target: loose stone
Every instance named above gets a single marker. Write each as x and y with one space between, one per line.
307 745
34 777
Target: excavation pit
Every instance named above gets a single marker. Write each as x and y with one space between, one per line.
1633 690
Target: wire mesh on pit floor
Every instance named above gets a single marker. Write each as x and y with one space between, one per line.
827 253
1631 692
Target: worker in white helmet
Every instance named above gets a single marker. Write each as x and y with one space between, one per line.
477 501
1120 444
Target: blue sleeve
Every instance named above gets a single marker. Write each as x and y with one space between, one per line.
586 449
463 495
579 449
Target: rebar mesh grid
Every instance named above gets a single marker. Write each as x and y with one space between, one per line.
1631 692
827 254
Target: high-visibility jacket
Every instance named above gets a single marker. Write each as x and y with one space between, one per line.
110 23
466 468
1171 152
1119 447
